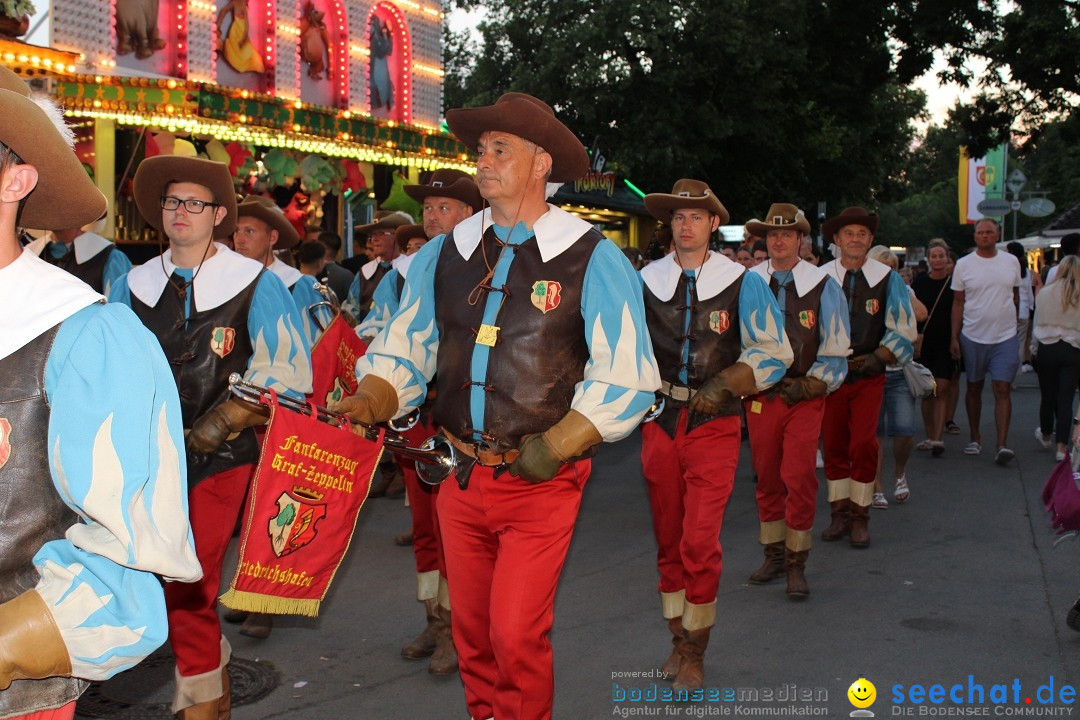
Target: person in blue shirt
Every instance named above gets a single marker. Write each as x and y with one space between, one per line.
882 333
383 241
535 325
718 336
784 422
215 312
94 512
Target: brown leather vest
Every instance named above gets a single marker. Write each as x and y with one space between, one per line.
91 272
866 306
367 289
540 353
202 355
802 316
714 340
31 511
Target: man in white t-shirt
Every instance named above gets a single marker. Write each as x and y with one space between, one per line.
986 288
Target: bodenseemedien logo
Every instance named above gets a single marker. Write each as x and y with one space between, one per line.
862 694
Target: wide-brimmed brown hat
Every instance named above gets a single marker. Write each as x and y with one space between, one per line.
450 183
529 118
849 216
65 196
157 172
386 219
781 216
265 209
405 233
687 193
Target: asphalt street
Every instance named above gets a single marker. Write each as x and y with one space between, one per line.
961 587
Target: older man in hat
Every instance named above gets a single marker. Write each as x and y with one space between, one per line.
86 255
718 336
94 509
261 230
784 422
534 322
882 332
382 235
215 312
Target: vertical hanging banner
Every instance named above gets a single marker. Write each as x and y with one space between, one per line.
308 489
979 178
333 363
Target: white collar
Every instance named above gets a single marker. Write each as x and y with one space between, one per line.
368 269
872 270
36 296
87 245
806 276
287 273
716 274
402 263
217 280
555 231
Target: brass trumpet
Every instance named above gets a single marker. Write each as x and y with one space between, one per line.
435 459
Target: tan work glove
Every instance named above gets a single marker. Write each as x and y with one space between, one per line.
214 427
795 390
731 382
31 647
542 454
374 401
871 364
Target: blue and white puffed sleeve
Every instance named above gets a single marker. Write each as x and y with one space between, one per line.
383 305
117 266
899 338
621 375
281 356
834 337
118 291
765 346
305 295
404 353
116 452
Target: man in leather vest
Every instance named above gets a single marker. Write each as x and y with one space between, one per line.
785 422
214 312
449 197
86 255
882 332
89 437
382 237
718 336
535 325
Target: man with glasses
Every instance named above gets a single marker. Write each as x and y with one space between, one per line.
382 237
718 336
882 333
214 312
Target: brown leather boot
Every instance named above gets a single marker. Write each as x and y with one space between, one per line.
388 470
225 704
404 539
860 526
670 668
257 625
445 659
773 567
691 675
235 616
209 710
795 562
424 644
841 521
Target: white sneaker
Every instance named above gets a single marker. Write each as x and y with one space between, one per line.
1027 368
1059 456
1044 440
820 463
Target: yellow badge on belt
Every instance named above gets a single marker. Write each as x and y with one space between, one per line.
488 335
755 407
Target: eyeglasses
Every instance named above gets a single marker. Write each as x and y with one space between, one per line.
195 207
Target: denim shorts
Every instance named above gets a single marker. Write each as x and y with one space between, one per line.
1002 359
897 416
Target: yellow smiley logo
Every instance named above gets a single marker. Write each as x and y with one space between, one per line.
862 693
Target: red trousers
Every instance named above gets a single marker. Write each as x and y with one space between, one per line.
783 444
506 542
690 479
64 712
194 628
425 519
850 430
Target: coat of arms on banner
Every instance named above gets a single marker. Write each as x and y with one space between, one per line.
719 321
294 526
872 306
546 295
5 440
222 340
807 319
